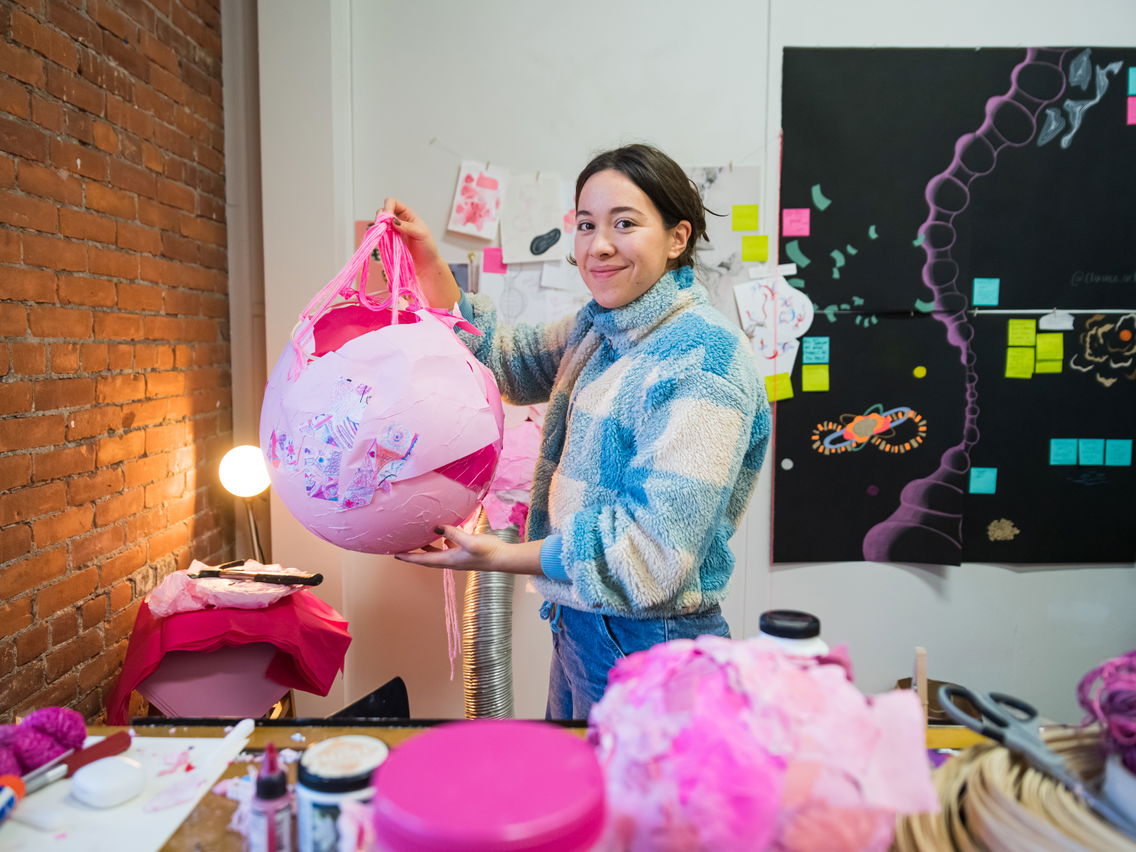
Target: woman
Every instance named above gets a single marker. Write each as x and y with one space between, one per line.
655 430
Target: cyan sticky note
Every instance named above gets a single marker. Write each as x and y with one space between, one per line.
1062 450
986 291
778 386
745 217
1090 451
755 247
814 377
1019 362
1050 346
1132 79
1118 452
814 350
1021 332
983 480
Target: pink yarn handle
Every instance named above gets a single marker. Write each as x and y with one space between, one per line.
399 268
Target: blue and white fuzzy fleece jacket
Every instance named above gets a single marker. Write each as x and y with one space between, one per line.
656 428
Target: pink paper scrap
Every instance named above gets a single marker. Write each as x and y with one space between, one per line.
491 260
795 222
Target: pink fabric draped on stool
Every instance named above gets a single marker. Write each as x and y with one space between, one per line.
310 641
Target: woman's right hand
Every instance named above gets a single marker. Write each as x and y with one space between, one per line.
434 275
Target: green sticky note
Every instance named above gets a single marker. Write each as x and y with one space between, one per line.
745 217
755 247
986 291
814 377
1051 346
778 386
1090 451
1019 362
1022 332
1118 452
983 480
1062 450
1047 366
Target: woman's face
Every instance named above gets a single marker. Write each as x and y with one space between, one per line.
622 246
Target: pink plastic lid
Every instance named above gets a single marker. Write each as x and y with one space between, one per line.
490 785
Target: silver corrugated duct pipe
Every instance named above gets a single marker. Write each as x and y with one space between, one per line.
487 637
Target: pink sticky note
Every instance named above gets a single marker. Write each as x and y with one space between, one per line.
491 260
795 222
1132 110
484 181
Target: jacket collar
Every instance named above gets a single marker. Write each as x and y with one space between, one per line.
624 327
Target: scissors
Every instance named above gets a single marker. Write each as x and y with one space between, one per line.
1012 722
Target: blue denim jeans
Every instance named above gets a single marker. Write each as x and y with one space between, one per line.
585 646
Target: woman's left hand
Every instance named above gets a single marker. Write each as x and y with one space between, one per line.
466 552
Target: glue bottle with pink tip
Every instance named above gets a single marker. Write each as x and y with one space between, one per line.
270 819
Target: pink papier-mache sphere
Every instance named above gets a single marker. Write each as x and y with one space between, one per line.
388 430
712 744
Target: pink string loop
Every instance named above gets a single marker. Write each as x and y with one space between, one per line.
350 284
1108 695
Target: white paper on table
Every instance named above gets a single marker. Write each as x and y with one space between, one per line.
130 827
477 200
775 315
532 221
721 256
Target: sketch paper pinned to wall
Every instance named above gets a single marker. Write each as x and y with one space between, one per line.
477 200
521 295
532 219
720 254
561 275
774 317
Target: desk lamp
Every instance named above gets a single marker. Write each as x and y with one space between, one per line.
244 475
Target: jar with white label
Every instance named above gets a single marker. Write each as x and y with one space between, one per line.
332 772
798 633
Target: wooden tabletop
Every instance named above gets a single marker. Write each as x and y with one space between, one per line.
206 828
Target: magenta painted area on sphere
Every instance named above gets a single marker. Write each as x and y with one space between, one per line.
490 785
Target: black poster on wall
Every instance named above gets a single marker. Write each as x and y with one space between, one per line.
964 222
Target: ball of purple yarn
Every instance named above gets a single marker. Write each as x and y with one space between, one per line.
8 763
1108 695
42 736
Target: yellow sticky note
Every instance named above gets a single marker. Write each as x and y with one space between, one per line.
1022 332
1047 366
1019 362
755 247
814 377
778 386
745 217
1051 347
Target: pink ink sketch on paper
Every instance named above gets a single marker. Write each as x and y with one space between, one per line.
477 201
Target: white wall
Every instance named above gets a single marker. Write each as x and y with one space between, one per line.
360 100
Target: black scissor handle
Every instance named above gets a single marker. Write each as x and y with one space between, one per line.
1013 706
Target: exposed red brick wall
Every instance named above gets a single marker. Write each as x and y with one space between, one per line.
114 362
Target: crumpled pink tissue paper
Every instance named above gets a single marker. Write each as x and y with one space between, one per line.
178 592
711 744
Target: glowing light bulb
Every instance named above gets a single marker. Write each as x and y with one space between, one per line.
243 471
